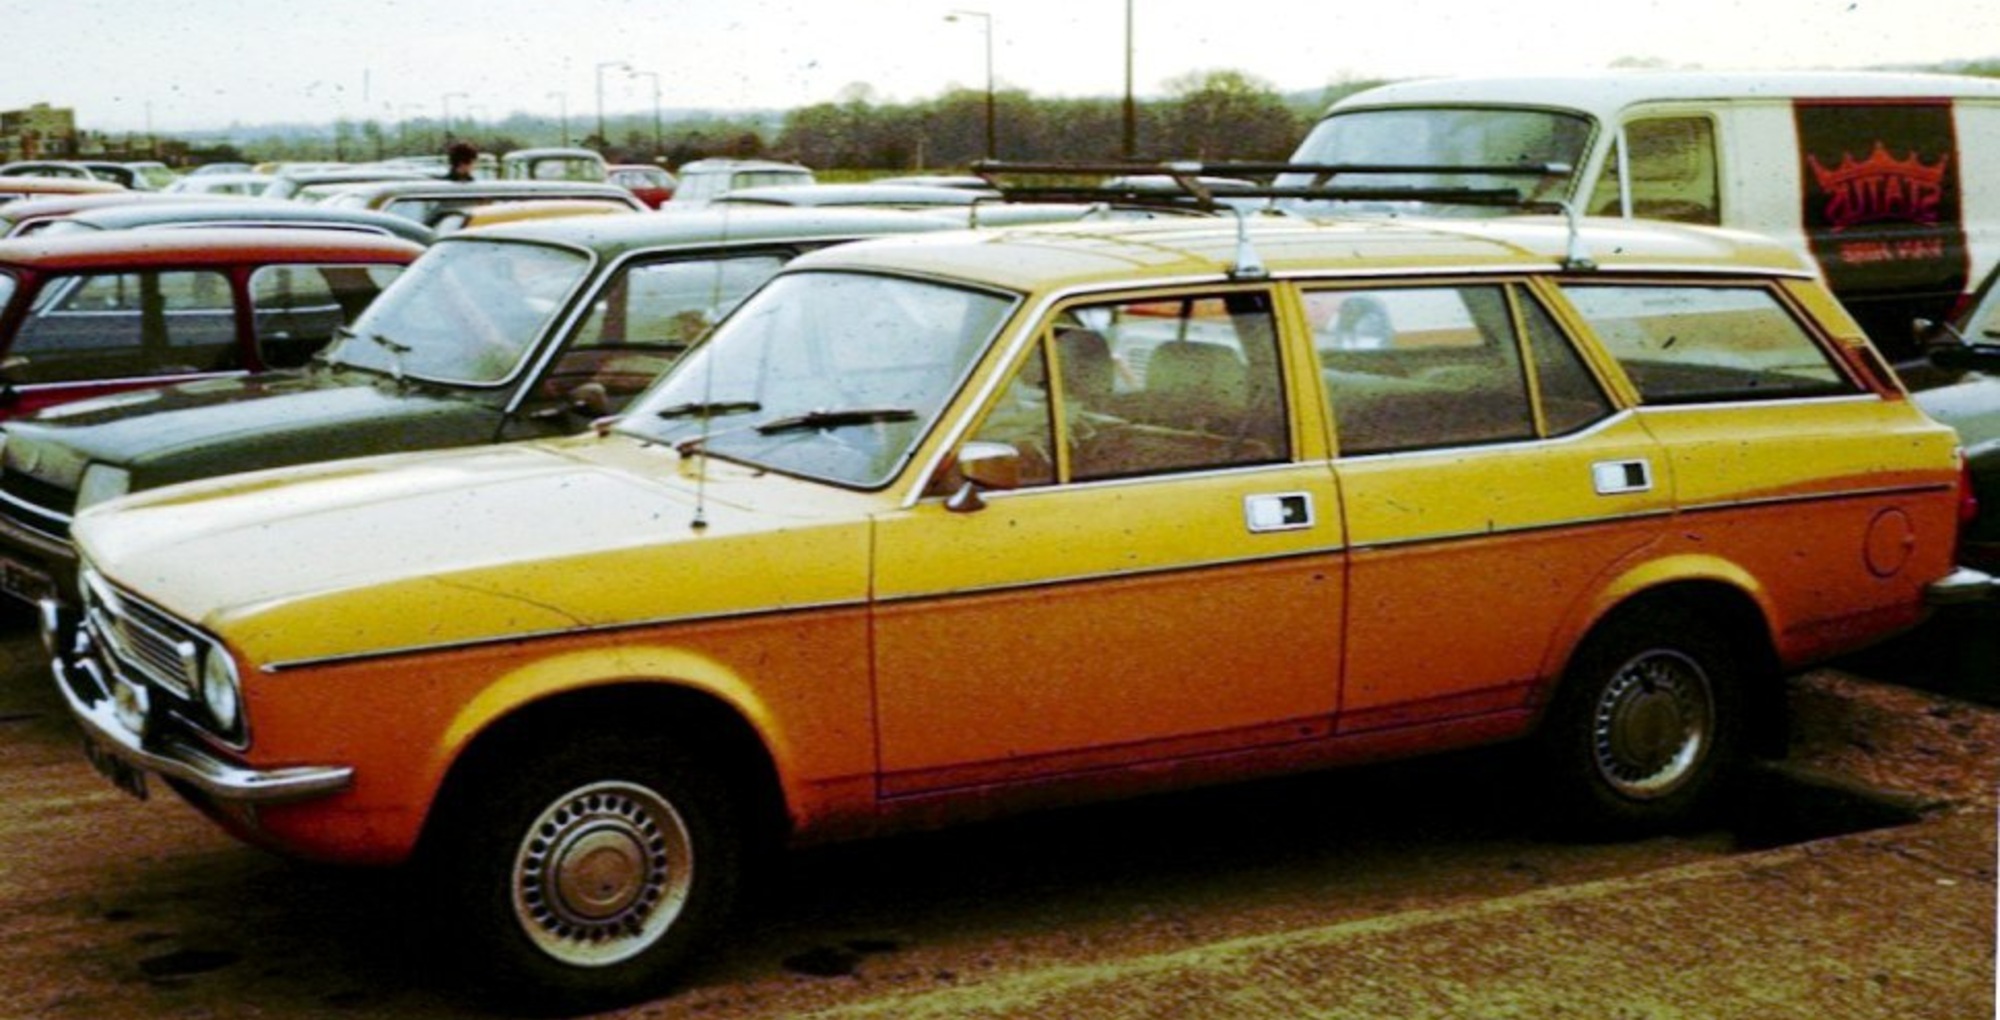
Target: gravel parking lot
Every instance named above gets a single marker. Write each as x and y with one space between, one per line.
1416 888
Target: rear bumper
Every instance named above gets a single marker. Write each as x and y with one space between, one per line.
1964 586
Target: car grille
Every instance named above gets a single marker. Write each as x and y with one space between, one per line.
36 505
141 638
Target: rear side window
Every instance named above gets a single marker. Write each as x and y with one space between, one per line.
1694 344
298 308
1413 368
126 325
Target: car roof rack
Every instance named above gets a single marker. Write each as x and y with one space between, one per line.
1245 186
1212 185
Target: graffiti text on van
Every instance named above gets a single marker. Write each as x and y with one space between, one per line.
1880 189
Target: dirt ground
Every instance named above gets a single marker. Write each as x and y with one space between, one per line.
117 908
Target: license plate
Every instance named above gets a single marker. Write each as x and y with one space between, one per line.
118 770
23 581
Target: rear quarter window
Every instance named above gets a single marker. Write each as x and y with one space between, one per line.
1683 344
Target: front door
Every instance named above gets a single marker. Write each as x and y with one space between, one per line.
1164 583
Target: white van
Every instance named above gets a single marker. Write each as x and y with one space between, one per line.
1890 182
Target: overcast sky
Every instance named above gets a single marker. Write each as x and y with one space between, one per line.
178 65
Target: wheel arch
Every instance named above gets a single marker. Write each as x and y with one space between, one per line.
1727 600
695 718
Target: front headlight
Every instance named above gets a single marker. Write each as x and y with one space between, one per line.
101 482
220 691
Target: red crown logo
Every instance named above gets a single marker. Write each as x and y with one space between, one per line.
1878 164
1880 189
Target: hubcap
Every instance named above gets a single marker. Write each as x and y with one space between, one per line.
602 874
1653 724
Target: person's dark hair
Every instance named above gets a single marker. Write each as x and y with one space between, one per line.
461 152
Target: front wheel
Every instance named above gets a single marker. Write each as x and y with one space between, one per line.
584 877
1645 724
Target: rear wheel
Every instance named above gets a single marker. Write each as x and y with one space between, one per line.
584 877
1645 724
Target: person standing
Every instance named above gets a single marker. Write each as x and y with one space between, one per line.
461 156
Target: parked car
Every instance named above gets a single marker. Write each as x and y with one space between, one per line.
492 213
314 182
653 184
884 196
222 211
62 169
973 181
1866 173
1961 388
532 329
34 213
147 175
17 187
104 312
702 180
553 164
430 202
157 176
245 184
935 528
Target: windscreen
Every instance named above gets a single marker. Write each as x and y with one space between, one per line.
1437 138
828 375
466 312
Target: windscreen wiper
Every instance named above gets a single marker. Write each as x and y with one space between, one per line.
708 409
835 419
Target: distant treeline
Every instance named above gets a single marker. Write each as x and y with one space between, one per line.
1209 115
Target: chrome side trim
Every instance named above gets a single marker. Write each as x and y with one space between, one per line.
863 604
1526 529
586 630
141 380
1814 497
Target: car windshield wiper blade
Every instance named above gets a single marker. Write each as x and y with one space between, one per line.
396 350
835 419
790 423
708 409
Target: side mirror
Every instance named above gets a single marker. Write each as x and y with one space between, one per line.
1967 357
984 466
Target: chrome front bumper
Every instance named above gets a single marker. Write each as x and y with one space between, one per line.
113 712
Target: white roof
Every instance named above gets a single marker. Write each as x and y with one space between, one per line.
1605 93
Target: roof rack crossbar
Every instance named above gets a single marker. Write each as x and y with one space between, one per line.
1213 186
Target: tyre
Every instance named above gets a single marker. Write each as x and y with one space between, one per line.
584 877
1645 725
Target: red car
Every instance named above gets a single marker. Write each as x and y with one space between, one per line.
94 313
652 184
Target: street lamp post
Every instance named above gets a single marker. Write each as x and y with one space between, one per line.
601 139
562 106
986 24
446 104
1131 106
655 75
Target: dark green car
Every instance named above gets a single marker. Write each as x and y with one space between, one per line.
492 335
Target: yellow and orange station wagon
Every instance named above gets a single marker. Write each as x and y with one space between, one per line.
938 527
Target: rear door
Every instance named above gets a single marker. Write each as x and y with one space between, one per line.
100 332
1487 479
